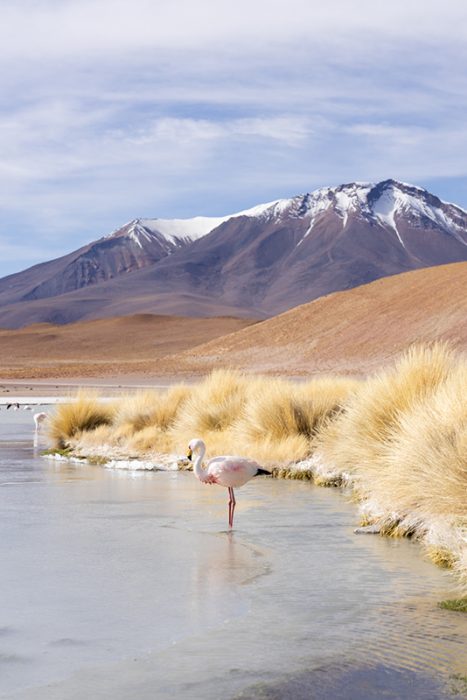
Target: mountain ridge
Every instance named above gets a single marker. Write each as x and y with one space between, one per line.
255 263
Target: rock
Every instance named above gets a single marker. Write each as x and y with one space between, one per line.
368 530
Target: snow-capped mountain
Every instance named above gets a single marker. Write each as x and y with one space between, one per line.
257 262
136 245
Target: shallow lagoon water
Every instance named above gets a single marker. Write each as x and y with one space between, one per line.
122 585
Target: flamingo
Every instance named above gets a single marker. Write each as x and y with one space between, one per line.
39 418
226 471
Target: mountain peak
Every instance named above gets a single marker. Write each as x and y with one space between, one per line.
379 202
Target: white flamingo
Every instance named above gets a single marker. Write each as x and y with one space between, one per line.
230 472
39 418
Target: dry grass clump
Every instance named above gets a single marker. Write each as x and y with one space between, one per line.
134 413
426 457
145 409
150 440
211 410
441 556
274 413
273 421
272 452
355 442
84 414
403 440
282 418
290 471
95 443
168 408
154 434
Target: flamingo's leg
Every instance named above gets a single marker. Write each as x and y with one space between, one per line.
230 507
232 503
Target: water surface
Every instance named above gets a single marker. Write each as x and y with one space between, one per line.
117 585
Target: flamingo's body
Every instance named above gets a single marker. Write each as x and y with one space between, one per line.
228 471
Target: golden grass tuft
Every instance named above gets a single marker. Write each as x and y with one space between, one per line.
441 556
426 458
83 414
212 407
282 418
271 451
150 440
168 408
103 436
288 472
145 409
355 442
273 413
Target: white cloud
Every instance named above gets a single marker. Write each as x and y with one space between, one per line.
95 27
111 109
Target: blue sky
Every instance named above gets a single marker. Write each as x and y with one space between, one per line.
115 109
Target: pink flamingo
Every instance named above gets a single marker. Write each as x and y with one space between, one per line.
230 472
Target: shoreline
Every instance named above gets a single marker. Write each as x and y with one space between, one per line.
14 389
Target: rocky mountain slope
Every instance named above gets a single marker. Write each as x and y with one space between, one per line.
256 263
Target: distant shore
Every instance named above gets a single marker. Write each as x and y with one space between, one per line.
106 385
13 389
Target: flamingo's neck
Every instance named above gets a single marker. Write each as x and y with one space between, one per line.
197 467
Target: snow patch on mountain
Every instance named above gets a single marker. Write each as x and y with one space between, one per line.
184 229
343 200
200 226
270 210
385 208
382 202
398 200
136 232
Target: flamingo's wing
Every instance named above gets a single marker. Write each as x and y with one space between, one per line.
232 471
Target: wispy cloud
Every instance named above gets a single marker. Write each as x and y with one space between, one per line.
112 109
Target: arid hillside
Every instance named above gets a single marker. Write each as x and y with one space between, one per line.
352 332
116 346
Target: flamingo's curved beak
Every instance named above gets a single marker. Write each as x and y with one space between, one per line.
189 453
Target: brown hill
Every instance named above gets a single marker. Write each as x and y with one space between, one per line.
117 346
352 332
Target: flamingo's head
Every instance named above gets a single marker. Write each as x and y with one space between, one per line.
194 445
